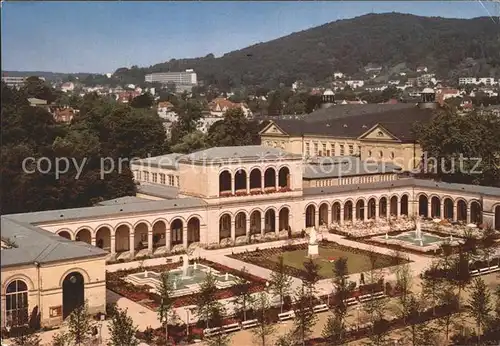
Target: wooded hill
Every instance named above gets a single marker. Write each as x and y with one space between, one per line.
443 45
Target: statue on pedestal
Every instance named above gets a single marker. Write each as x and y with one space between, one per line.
313 247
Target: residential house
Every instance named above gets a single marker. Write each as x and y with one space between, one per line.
68 86
354 84
446 93
219 106
421 69
64 115
338 75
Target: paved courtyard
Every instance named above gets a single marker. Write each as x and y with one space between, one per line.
145 317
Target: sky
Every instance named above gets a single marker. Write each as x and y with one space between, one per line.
100 37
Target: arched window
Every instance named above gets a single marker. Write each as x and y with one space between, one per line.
16 303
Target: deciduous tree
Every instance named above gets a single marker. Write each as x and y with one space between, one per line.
122 330
280 281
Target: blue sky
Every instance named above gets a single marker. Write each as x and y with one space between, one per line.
103 36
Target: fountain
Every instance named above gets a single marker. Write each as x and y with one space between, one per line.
145 273
313 247
386 236
418 230
185 266
226 277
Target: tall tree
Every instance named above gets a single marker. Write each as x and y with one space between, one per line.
242 294
142 101
165 310
449 299
234 130
305 318
216 317
311 277
122 330
80 325
280 281
265 328
206 300
479 305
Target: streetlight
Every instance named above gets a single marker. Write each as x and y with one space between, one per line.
101 322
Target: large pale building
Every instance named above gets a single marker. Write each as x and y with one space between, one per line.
378 132
214 196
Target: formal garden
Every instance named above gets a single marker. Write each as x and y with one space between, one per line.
144 295
295 255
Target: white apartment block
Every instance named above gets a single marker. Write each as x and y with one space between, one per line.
477 81
187 78
16 82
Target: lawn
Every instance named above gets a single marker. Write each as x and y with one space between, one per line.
294 256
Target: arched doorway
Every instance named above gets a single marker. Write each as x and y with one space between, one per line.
284 177
461 210
224 182
360 210
73 291
64 234
84 235
382 208
323 214
255 180
270 221
270 178
284 219
394 206
311 216
122 238
193 230
16 304
404 205
176 227
336 212
141 236
435 207
240 224
423 206
103 238
240 181
475 213
159 232
348 211
225 226
448 209
255 222
371 208
497 217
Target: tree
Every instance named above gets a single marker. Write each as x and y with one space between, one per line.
479 305
403 285
216 317
432 285
80 325
334 331
459 273
122 330
206 300
378 336
242 293
27 338
304 316
165 310
61 339
420 332
265 328
449 138
280 282
449 299
311 277
234 130
142 101
191 142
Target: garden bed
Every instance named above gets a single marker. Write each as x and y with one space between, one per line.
358 260
115 281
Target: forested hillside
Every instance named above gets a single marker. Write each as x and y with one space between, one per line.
447 46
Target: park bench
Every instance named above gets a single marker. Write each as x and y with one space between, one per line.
320 308
350 301
211 331
169 260
231 328
286 315
249 324
474 272
365 298
378 295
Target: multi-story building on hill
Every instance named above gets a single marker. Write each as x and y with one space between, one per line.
182 80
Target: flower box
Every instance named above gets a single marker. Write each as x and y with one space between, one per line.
241 193
269 189
225 194
285 189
